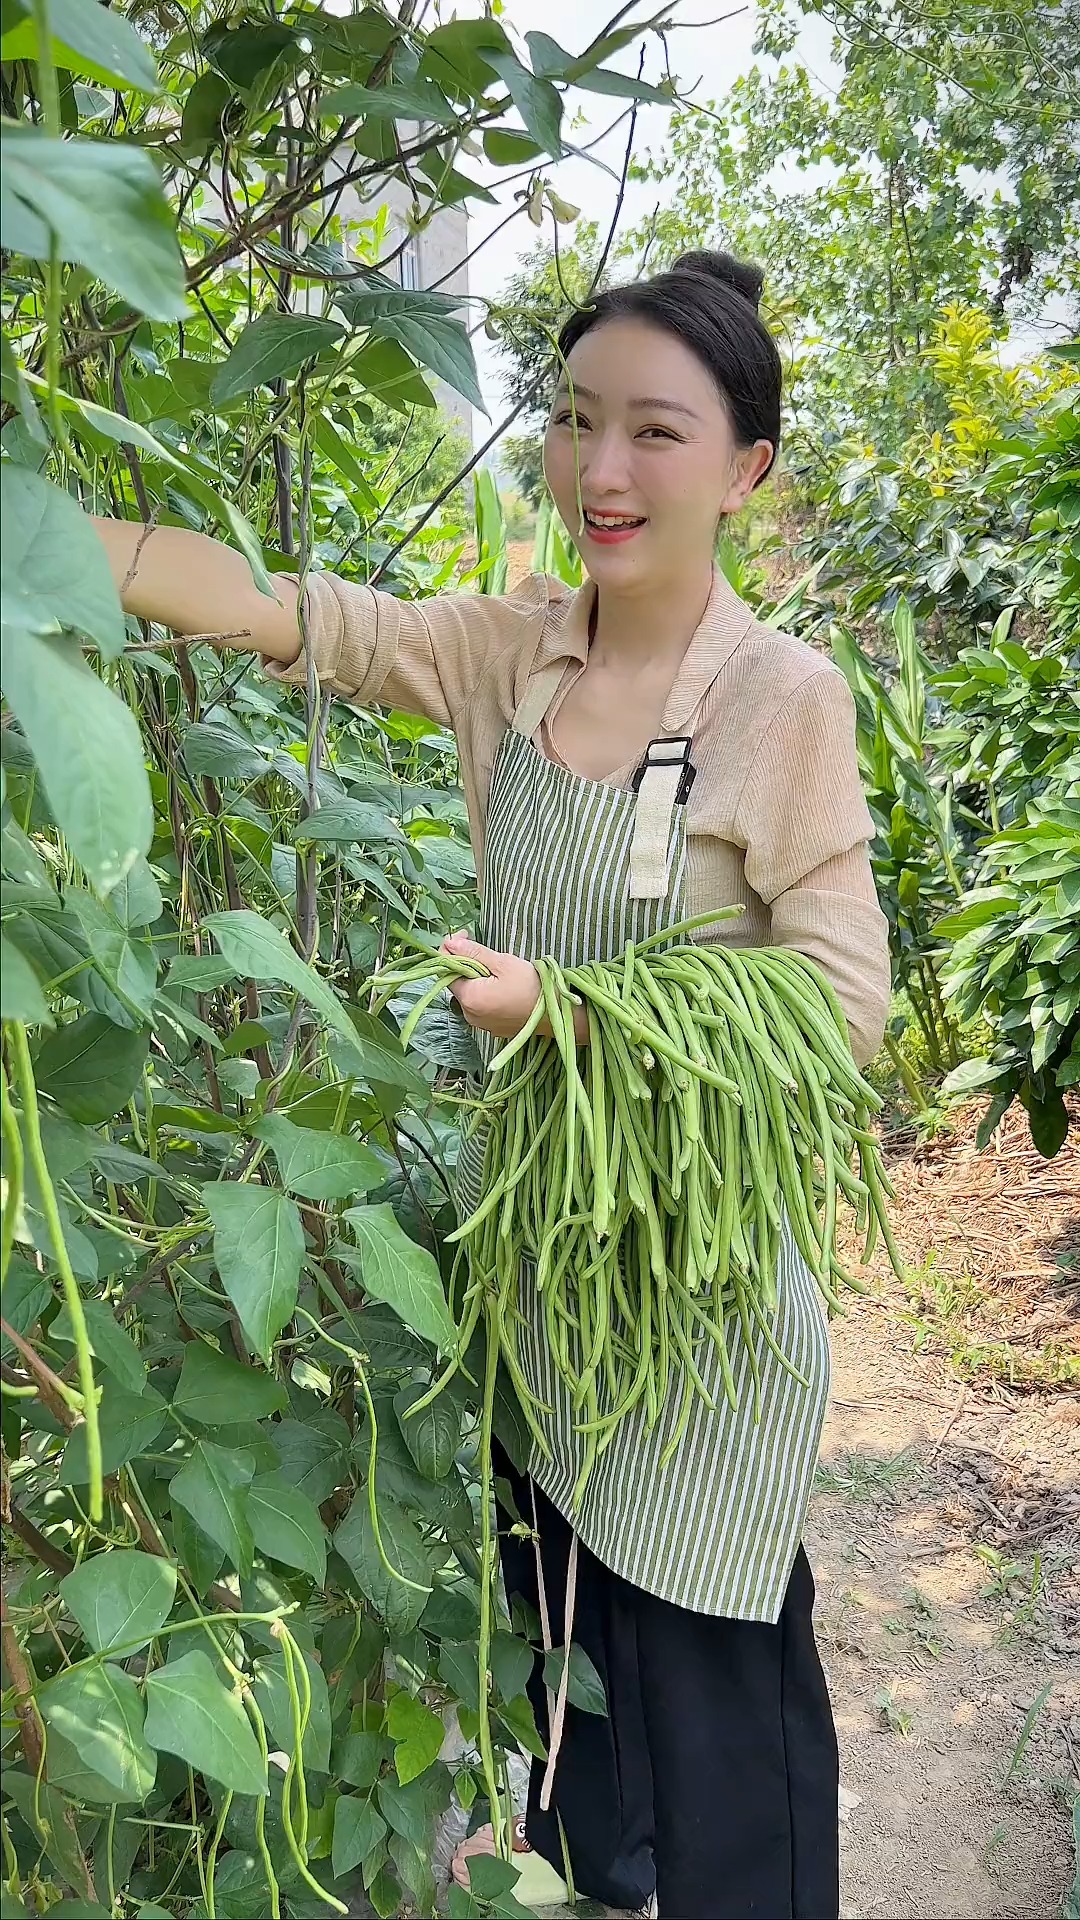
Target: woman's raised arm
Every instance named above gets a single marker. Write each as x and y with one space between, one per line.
426 656
194 584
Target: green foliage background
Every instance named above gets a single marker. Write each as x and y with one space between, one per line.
242 1604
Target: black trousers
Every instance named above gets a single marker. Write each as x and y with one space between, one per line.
713 1780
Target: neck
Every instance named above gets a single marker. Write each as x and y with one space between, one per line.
650 625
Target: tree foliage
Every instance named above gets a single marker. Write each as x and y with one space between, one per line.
939 171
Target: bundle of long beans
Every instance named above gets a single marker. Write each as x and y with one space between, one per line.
649 1177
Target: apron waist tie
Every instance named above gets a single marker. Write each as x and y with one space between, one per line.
556 1701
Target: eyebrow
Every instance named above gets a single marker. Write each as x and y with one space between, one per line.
645 404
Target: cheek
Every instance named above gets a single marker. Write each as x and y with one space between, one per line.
687 478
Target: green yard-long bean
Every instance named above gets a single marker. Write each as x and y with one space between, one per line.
643 1184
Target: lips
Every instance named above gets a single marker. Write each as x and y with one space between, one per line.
610 529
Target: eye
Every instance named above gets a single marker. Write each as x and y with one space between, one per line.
565 418
657 433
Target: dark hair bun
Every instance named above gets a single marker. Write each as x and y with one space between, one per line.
740 275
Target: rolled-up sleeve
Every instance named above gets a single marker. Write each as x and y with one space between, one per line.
806 828
425 656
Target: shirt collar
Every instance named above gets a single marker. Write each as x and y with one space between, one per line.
725 622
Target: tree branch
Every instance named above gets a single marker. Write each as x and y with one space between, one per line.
31 1732
54 1558
49 1385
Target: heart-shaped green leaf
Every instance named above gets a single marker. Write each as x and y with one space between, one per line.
120 1598
190 1712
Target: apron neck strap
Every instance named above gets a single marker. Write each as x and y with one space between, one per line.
662 781
537 698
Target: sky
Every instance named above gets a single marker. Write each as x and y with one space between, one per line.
707 59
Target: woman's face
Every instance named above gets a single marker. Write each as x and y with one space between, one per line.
658 460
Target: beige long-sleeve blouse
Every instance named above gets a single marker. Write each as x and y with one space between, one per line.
776 819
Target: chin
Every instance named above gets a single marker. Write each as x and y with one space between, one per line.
617 566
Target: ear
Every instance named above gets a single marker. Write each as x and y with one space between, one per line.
750 466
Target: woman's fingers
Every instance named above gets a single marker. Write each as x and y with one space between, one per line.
482 1841
469 949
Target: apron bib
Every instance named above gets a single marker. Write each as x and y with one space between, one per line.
574 869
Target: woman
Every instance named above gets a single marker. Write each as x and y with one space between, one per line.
631 753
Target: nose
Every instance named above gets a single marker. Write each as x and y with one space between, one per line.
605 463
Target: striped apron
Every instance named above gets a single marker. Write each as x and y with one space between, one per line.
575 869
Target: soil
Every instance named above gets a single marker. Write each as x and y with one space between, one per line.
519 554
945 1534
946 1538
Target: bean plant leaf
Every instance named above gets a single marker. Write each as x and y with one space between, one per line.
399 1604
584 1688
358 1758
190 1712
419 101
433 1435
91 39
623 86
51 1819
88 750
388 372
537 101
517 1715
217 1391
411 1810
21 994
123 957
383 1060
15 390
358 1828
212 1487
259 1250
493 1881
91 1068
286 1526
115 1348
459 55
27 1293
402 1274
349 821
320 1166
137 901
210 747
201 1558
270 348
314 1453
100 1710
120 1598
418 1735
69 1771
54 568
441 344
129 1424
329 441
105 205
511 1662
201 972
261 952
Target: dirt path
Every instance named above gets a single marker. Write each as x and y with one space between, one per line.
945 1536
